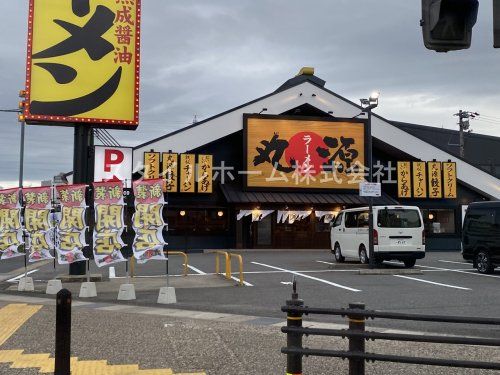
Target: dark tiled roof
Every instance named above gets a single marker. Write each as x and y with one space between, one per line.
234 194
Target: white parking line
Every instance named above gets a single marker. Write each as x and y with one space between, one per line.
322 261
450 261
198 271
307 277
471 272
14 279
432 282
238 280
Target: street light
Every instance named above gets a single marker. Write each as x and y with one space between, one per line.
368 105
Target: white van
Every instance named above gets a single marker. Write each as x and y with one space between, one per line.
398 234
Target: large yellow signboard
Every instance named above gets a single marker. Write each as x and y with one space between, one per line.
83 62
286 152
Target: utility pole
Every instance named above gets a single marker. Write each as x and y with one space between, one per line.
464 125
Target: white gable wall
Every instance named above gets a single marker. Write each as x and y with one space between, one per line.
283 101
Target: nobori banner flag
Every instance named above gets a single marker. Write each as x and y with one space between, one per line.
11 232
70 238
109 223
148 221
37 207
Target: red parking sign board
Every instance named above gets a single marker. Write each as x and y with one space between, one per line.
113 164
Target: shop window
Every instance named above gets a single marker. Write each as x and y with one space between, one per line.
439 221
209 221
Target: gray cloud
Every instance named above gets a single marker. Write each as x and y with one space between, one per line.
201 58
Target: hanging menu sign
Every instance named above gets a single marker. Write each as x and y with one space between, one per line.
435 183
170 172
187 182
419 180
404 179
205 167
450 180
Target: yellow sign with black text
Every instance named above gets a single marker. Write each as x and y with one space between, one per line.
419 180
187 180
404 179
169 163
205 167
151 165
83 63
450 180
435 181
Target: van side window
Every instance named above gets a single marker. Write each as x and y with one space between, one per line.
351 219
338 220
363 220
480 221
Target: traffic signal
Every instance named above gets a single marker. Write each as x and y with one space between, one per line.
447 24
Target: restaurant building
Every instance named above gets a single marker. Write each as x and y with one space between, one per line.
273 172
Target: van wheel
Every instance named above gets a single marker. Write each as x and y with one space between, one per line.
363 256
483 261
409 263
338 254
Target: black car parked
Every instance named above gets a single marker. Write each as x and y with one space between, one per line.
481 235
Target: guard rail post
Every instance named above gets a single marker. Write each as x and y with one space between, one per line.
63 333
294 340
356 344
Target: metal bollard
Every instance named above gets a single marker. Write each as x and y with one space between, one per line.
294 340
63 333
356 344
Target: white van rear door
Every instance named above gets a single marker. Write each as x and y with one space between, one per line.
399 229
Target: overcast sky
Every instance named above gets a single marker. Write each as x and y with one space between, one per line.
203 57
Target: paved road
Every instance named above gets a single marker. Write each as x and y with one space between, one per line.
446 285
104 338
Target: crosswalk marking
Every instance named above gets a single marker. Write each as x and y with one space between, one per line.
45 364
14 316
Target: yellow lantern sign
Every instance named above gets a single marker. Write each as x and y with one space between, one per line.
450 180
187 182
151 165
435 182
83 63
205 167
419 180
169 164
404 179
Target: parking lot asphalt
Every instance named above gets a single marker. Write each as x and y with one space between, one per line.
446 285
